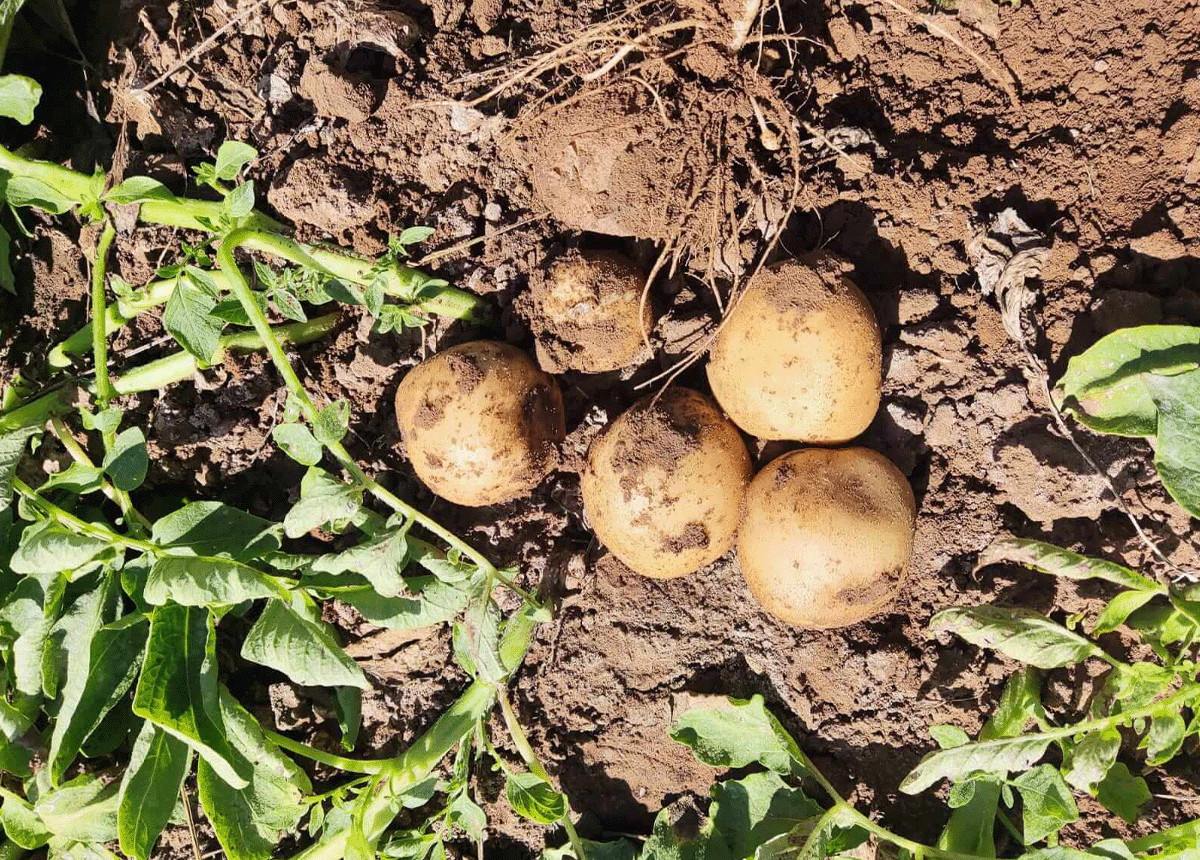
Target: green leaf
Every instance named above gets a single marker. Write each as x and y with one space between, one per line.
127 461
19 96
202 280
468 816
1046 802
298 443
749 811
436 602
249 821
948 737
104 421
82 810
1122 793
216 529
323 500
8 281
75 629
1117 610
186 318
347 705
332 422
149 790
1164 739
21 824
49 548
1000 757
1016 633
1019 703
413 235
477 641
738 733
76 478
1177 454
98 676
675 837
137 189
1105 387
532 797
971 825
201 581
1092 758
177 690
380 559
289 304
1055 561
28 191
232 156
239 202
303 648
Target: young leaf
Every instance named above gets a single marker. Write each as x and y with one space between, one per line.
1164 739
1122 793
948 737
323 500
332 422
216 529
298 443
413 235
1105 388
239 202
303 648
98 676
1019 703
1177 454
1000 757
380 559
752 810
127 461
136 189
738 733
200 581
1114 614
971 825
532 797
186 318
149 789
1016 633
250 820
19 96
347 705
1092 758
177 690
232 156
289 305
1050 559
50 548
1046 802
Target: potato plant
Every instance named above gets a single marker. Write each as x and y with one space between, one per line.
109 621
1144 381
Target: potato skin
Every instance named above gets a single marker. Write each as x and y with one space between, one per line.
480 422
827 535
589 315
664 482
799 357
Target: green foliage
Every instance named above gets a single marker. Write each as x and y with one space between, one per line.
19 96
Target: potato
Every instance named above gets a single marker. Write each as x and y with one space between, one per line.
799 357
664 482
827 535
588 313
480 422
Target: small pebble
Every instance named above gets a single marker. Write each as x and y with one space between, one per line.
1101 66
492 211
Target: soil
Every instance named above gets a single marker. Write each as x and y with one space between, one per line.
912 129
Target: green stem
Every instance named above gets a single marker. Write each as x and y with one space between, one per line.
521 741
82 526
1190 829
241 290
349 765
918 849
63 432
99 309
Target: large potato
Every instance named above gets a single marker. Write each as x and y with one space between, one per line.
480 422
664 482
589 314
799 357
827 535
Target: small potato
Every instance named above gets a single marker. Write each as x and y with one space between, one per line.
480 422
588 313
827 535
799 357
664 482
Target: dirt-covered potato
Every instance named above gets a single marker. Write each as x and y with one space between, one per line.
664 482
799 357
827 535
588 313
480 422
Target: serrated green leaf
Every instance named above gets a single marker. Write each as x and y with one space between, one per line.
1020 634
1177 452
216 529
186 318
1117 610
232 156
128 461
1055 561
49 548
298 443
202 581
19 96
1046 802
177 690
137 189
380 559
332 422
532 797
1092 758
1122 793
1000 757
737 733
149 789
749 811
250 820
1104 387
303 648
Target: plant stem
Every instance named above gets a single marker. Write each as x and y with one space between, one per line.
521 741
350 765
1154 840
63 432
82 526
241 290
99 308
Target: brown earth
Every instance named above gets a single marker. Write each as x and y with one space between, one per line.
1083 115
